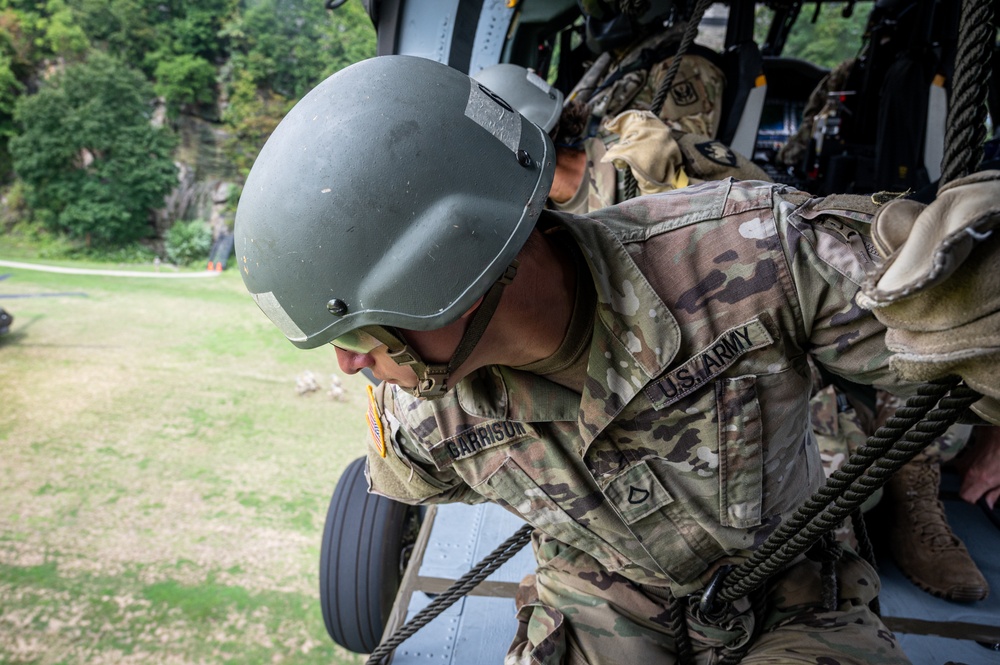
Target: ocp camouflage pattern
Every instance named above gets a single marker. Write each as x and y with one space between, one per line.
659 487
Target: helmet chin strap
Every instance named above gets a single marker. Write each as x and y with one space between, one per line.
432 379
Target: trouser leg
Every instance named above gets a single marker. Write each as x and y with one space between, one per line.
798 629
585 614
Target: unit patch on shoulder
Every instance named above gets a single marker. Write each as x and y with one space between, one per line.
374 418
708 363
717 152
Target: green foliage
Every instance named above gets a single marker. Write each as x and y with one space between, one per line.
188 242
831 39
126 28
280 49
252 114
289 46
93 163
60 35
10 88
185 80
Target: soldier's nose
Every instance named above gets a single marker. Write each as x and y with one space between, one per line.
351 362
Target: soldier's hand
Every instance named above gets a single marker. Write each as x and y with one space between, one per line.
980 467
938 292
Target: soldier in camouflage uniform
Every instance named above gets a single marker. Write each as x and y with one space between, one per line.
664 152
922 543
632 383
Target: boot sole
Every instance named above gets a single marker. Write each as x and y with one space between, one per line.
957 595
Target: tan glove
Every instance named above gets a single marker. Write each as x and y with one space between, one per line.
647 147
938 292
662 159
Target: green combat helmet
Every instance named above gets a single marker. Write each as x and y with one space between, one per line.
526 91
395 194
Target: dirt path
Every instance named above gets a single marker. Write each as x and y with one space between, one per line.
106 273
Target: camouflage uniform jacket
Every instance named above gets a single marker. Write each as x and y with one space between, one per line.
691 440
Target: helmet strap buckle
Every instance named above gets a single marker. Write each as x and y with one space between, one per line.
432 380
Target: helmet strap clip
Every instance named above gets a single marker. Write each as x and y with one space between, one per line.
432 380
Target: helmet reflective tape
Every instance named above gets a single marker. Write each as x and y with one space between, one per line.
482 108
272 308
525 91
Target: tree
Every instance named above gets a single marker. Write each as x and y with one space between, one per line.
127 29
93 164
830 40
280 49
185 80
288 46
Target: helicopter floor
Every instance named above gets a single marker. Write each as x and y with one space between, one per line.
479 627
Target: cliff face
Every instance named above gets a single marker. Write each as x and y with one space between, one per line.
205 178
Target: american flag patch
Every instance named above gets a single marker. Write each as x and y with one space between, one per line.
375 423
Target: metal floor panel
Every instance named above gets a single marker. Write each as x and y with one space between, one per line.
475 630
464 534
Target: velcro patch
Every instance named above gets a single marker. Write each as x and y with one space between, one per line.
476 439
708 363
374 418
717 152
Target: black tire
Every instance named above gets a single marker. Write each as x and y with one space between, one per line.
361 560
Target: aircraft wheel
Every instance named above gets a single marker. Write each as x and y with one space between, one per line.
365 547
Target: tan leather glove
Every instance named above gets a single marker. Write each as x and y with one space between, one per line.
648 148
662 159
938 292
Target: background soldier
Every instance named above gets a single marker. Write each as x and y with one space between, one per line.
662 152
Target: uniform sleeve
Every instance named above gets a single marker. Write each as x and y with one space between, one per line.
829 251
398 467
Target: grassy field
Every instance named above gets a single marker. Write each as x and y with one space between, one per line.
163 485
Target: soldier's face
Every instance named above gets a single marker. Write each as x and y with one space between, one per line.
433 346
381 365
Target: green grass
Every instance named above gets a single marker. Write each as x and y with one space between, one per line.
162 485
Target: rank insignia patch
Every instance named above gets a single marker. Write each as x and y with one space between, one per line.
716 152
374 418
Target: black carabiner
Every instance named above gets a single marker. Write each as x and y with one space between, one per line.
708 605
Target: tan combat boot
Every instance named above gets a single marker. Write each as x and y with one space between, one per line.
922 543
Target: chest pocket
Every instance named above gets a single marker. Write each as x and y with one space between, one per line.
698 485
514 489
657 520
